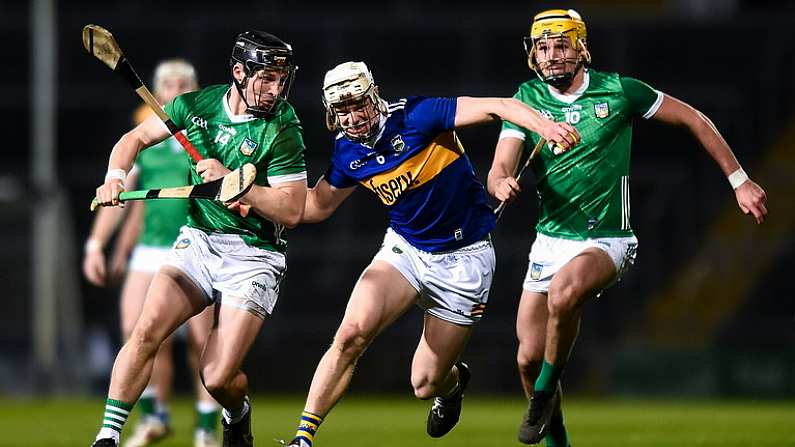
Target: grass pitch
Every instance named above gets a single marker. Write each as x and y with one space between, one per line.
400 421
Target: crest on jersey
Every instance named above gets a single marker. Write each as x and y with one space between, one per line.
601 109
182 243
248 147
397 144
535 271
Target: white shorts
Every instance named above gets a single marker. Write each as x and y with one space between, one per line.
549 254
148 258
453 286
229 271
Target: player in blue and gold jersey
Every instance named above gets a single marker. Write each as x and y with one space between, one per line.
436 252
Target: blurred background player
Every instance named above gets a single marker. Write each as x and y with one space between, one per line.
585 241
436 252
220 257
148 232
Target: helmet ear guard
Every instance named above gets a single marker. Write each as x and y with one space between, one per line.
558 23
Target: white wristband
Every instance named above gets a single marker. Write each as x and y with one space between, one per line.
737 178
92 245
116 174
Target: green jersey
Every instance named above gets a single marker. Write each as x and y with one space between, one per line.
274 145
584 192
161 166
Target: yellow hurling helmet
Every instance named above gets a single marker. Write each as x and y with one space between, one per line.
555 23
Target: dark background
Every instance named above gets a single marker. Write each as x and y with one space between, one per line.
731 333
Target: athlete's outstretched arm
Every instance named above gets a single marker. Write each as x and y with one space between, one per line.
471 111
322 200
501 182
750 197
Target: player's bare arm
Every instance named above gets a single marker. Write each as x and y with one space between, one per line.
750 197
105 224
501 182
323 200
471 111
128 237
282 203
122 157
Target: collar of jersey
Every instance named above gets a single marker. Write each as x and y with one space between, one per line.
569 98
232 117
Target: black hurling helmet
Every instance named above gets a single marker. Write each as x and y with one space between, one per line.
258 50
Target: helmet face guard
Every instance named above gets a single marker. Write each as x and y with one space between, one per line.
350 87
548 28
258 51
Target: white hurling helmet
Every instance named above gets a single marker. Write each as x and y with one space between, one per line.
348 84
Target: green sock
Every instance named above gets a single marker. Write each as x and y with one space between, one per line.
207 419
116 414
548 378
147 404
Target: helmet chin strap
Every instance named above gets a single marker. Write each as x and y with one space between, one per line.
254 111
563 81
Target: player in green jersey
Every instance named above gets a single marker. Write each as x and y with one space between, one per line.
584 241
220 257
149 230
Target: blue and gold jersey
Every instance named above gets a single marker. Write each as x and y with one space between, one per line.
418 169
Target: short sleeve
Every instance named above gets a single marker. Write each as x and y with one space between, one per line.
643 100
177 110
287 163
336 178
433 115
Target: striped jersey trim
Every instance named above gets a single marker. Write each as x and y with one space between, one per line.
397 105
512 133
654 107
625 203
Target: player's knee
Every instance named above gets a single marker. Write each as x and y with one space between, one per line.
215 380
127 330
144 340
426 382
424 385
351 340
529 361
